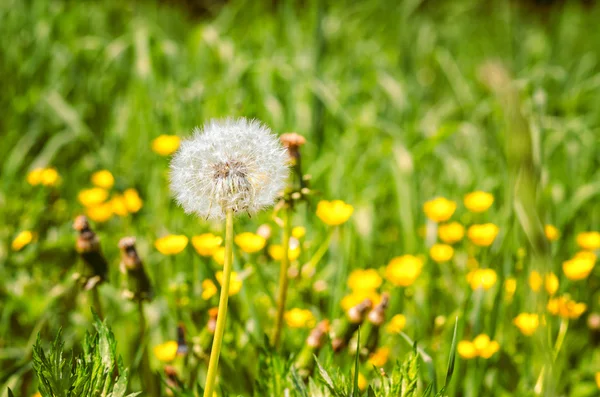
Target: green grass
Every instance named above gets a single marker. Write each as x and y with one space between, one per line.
396 105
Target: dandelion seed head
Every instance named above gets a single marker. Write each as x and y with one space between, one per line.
233 164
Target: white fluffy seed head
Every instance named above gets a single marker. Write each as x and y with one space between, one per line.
233 164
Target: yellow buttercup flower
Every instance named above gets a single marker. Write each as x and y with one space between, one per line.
578 268
250 242
171 244
100 213
367 279
49 177
334 212
166 352
358 296
510 286
527 323
439 209
298 232
551 283
206 244
209 289
478 201
482 278
34 177
119 205
379 357
483 235
481 346
441 252
166 144
466 349
92 197
103 179
490 349
23 238
551 232
597 377
565 307
586 255
451 233
363 382
235 282
299 318
37 394
276 252
132 200
535 281
403 270
589 240
219 255
396 324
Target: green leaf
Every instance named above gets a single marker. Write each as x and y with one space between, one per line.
452 359
298 383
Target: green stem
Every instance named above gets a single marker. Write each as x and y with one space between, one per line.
213 364
146 371
560 338
97 302
283 277
322 249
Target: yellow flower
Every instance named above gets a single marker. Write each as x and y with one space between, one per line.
527 323
478 201
483 346
276 252
363 382
551 232
439 209
49 177
482 278
299 318
551 283
23 238
403 270
566 307
357 297
589 240
535 281
219 255
441 252
165 144
466 349
483 235
490 349
396 324
250 242
171 244
451 233
578 268
37 394
166 352
510 286
100 213
379 357
132 200
586 255
235 283
209 289
103 179
334 212
92 197
367 279
206 244
34 177
299 232
597 377
118 205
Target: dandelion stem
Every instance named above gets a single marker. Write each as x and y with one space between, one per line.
213 364
283 277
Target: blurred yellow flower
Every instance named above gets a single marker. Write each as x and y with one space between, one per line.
466 349
119 205
34 177
37 394
527 323
235 283
23 238
93 196
403 270
586 255
396 324
589 240
481 346
578 268
478 201
276 252
482 278
299 232
451 233
171 244
100 213
209 289
103 179
334 212
535 281
364 279
439 209
441 252
166 352
132 200
49 177
597 377
363 382
379 357
490 349
165 144
250 242
299 318
565 307
357 297
483 235
219 255
551 232
551 283
510 286
206 244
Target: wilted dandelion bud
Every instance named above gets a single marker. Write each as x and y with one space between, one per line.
95 269
138 283
293 142
305 361
231 164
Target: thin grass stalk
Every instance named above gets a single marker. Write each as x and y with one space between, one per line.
283 277
97 303
213 363
151 386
